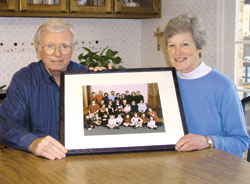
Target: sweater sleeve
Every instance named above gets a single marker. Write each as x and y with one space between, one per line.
16 134
13 114
235 138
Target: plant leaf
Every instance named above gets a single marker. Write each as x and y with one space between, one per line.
93 59
103 51
117 60
87 49
110 54
121 67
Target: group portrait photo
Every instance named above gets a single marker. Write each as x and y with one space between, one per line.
122 109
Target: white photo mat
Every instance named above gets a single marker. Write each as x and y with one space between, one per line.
72 119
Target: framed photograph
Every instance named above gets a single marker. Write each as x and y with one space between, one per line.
121 110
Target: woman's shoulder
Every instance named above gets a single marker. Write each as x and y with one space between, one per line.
214 81
219 78
214 77
218 83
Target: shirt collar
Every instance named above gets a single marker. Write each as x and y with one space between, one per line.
200 71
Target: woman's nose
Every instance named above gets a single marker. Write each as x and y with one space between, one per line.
177 50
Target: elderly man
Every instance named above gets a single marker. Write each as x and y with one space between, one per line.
32 99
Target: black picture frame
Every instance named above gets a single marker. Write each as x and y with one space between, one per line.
79 136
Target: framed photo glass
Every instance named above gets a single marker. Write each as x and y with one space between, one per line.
121 110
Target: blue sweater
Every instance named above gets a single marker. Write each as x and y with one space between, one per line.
212 107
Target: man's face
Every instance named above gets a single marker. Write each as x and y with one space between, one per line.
57 61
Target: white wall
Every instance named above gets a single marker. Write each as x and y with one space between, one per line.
133 38
118 34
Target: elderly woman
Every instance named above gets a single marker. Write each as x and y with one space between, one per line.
212 107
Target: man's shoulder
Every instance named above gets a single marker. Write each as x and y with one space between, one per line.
31 68
26 76
76 66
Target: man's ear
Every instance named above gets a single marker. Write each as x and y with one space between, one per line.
38 50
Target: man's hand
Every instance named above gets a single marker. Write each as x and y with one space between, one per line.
100 68
191 142
48 147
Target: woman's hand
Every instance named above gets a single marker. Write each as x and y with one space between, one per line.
191 142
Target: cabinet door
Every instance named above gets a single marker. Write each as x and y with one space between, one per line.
8 5
143 7
43 6
91 6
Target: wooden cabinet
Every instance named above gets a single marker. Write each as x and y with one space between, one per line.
81 8
8 5
91 7
35 6
138 7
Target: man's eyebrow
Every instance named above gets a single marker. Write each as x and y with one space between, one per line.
66 42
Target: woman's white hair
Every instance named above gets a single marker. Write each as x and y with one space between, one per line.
186 23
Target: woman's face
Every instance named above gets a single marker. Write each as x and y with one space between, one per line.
182 52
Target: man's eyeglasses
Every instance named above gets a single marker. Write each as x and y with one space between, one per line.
51 48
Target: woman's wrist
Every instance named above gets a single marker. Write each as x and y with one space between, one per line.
210 142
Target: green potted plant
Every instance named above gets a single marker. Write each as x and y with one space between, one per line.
103 58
